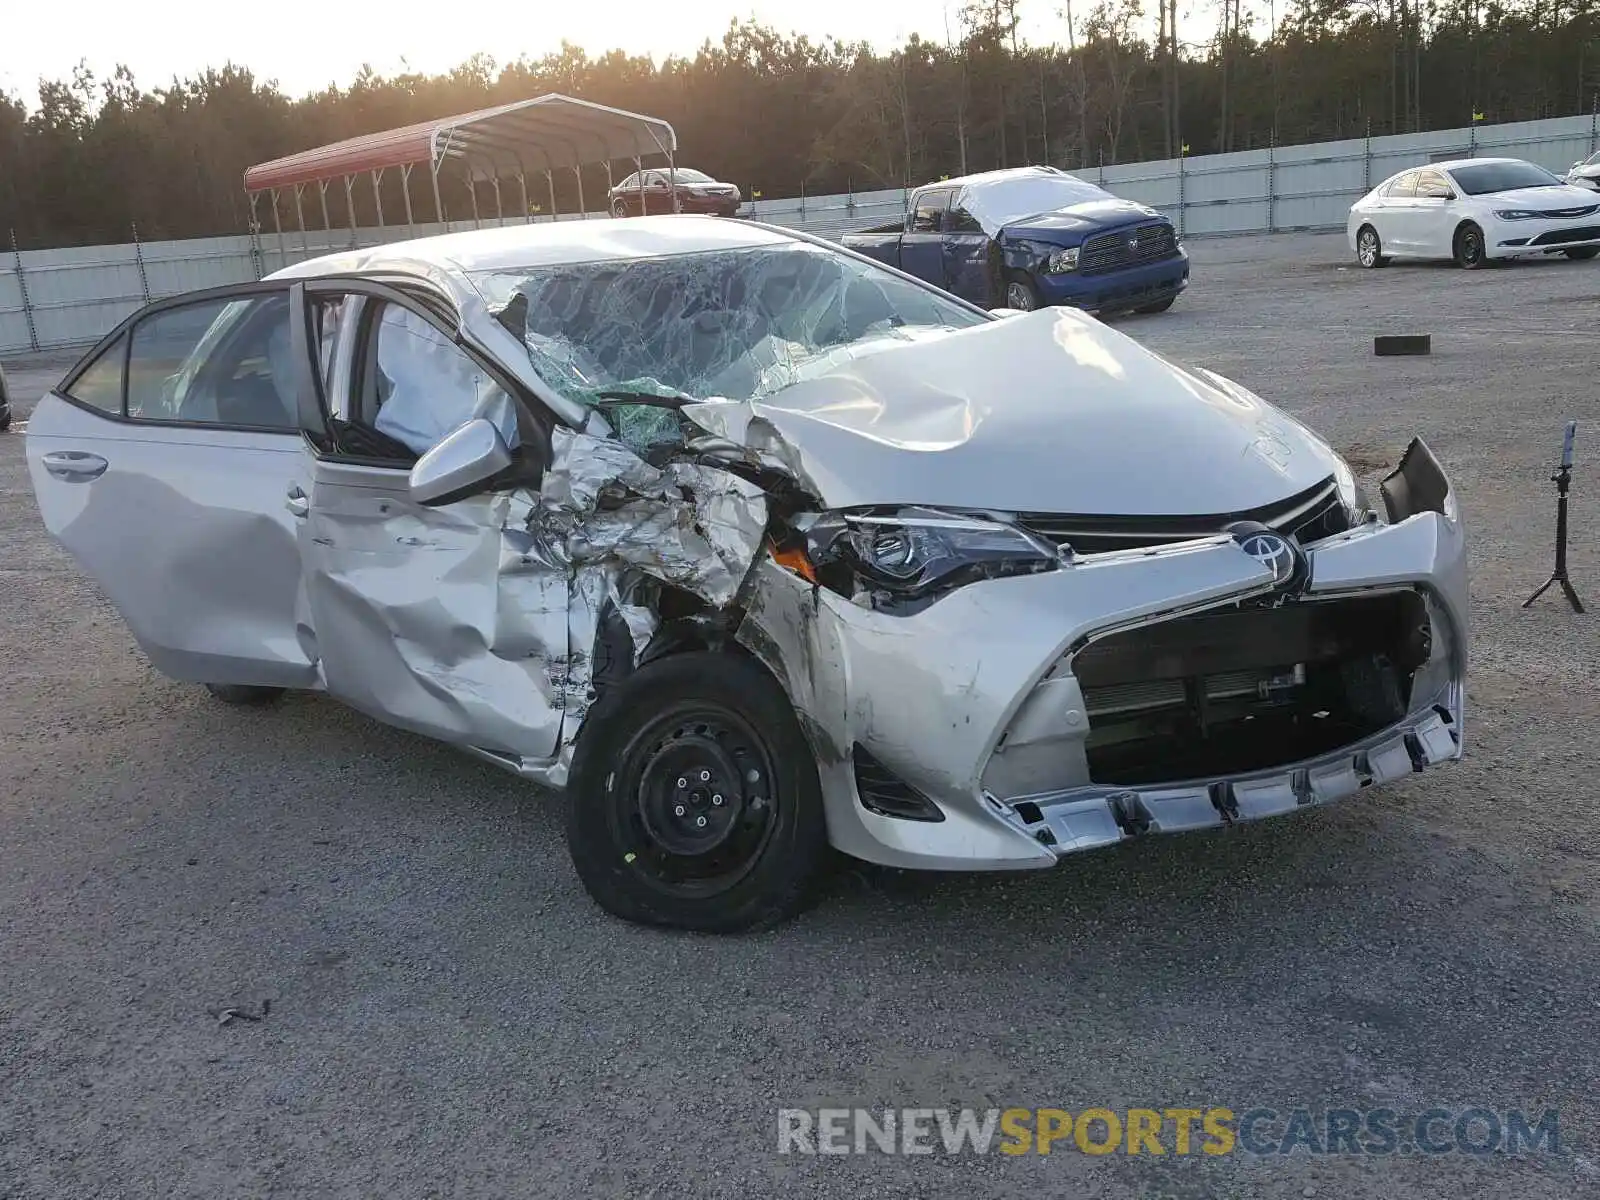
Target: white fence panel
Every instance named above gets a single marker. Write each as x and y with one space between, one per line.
69 297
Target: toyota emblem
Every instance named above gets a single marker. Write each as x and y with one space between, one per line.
1271 551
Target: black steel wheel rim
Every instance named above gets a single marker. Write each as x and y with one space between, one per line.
693 801
1471 246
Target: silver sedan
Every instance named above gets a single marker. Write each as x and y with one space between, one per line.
754 545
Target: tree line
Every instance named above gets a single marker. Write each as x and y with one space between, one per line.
784 114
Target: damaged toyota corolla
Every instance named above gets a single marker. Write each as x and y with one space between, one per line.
755 546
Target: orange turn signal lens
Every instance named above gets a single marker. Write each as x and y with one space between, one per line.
794 559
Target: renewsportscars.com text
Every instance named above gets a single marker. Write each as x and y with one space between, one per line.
1166 1131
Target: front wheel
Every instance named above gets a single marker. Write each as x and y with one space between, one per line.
694 800
1582 253
1021 294
619 209
1369 248
1470 251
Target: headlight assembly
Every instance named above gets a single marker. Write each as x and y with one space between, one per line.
1517 214
918 553
1061 262
1351 494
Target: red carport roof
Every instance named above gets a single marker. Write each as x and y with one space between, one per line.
530 135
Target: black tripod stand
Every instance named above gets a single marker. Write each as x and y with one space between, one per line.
1563 481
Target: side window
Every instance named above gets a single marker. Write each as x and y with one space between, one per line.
1403 188
420 386
959 220
1434 185
99 385
928 214
215 362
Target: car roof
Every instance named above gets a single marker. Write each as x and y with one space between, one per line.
961 181
542 244
1474 162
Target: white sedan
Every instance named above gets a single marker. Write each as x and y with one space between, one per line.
1474 210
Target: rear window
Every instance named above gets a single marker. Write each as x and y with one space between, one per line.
99 383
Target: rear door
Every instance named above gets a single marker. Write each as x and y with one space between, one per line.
161 464
1396 218
449 620
922 244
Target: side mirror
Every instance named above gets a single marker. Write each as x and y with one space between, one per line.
465 460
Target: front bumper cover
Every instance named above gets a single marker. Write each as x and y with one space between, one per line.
931 695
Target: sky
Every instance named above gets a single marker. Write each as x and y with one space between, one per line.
158 39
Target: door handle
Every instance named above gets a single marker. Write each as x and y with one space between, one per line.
75 466
297 502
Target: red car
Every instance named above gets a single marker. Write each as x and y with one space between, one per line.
697 193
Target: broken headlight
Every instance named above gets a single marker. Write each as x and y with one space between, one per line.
1062 261
1357 505
918 552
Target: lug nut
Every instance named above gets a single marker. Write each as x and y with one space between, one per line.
753 775
717 800
680 810
682 782
705 776
700 822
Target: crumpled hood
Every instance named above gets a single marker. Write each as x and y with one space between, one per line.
1090 216
1047 412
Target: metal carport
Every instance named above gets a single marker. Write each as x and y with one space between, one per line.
549 133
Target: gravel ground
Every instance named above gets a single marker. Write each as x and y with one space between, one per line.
451 1016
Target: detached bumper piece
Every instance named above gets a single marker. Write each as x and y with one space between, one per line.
1088 817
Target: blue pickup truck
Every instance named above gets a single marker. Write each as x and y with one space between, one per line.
1034 236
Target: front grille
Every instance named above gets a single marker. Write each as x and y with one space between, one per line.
1571 212
1559 237
1244 689
1126 248
1309 516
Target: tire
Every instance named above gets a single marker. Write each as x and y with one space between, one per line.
1160 306
1369 248
5 418
619 209
1582 253
1020 292
1470 251
244 693
644 836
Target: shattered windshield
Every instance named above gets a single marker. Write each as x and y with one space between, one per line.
735 324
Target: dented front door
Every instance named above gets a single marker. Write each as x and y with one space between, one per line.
442 620
446 619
